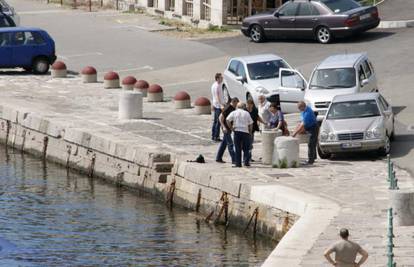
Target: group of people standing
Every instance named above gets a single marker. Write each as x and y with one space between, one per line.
244 119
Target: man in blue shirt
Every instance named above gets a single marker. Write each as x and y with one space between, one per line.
308 125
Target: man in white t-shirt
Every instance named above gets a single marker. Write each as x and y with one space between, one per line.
218 106
264 112
242 125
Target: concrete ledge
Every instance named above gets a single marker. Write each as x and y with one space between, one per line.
315 213
396 24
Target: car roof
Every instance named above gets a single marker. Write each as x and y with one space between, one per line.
341 61
355 97
17 29
257 58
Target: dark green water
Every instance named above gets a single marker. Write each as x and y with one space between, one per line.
51 217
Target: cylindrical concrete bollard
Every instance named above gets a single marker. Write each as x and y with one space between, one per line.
59 70
202 106
268 138
128 83
130 105
111 80
155 93
142 86
285 152
89 75
402 202
182 100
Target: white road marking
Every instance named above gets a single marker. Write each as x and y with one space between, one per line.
187 82
131 26
146 67
50 11
80 55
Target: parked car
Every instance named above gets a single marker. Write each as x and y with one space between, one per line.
28 48
357 122
250 76
338 75
319 19
9 11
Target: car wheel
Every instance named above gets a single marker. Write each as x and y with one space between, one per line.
226 95
323 155
257 34
323 35
40 65
384 151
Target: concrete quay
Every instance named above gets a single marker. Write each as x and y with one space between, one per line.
76 125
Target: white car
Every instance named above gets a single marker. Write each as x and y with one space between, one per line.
250 76
339 75
357 122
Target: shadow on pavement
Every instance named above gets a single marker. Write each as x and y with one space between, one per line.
397 109
402 145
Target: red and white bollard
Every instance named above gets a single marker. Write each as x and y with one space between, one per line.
89 75
59 70
128 83
182 100
142 87
155 93
202 105
111 80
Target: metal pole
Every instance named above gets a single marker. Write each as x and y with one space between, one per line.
390 244
61 2
117 4
90 5
101 3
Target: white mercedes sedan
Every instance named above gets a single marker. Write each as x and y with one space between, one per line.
357 122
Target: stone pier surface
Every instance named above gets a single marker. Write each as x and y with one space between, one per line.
77 125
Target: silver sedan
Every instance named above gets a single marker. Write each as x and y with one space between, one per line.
357 122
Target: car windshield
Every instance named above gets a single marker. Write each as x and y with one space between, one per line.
353 109
333 78
339 6
265 69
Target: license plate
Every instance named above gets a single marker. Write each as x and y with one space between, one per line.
351 145
322 112
365 16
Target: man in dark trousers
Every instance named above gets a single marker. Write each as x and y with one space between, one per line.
346 252
227 139
308 125
217 105
242 125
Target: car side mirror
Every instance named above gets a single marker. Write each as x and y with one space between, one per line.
241 79
277 14
364 82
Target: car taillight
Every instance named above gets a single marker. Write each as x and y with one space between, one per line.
375 14
352 21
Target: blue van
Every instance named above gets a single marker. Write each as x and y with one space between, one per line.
30 48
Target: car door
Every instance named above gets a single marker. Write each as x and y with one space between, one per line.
371 85
292 86
388 114
234 86
306 19
362 79
24 49
284 22
6 50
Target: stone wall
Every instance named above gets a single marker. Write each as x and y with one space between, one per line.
140 167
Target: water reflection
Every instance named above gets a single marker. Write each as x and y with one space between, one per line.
52 217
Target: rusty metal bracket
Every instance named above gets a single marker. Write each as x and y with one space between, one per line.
170 195
254 215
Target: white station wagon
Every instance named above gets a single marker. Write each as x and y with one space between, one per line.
250 76
339 75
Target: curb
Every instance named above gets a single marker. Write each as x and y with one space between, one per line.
395 24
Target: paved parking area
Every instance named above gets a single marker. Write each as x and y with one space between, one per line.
357 184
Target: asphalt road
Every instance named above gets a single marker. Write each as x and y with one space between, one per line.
96 38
